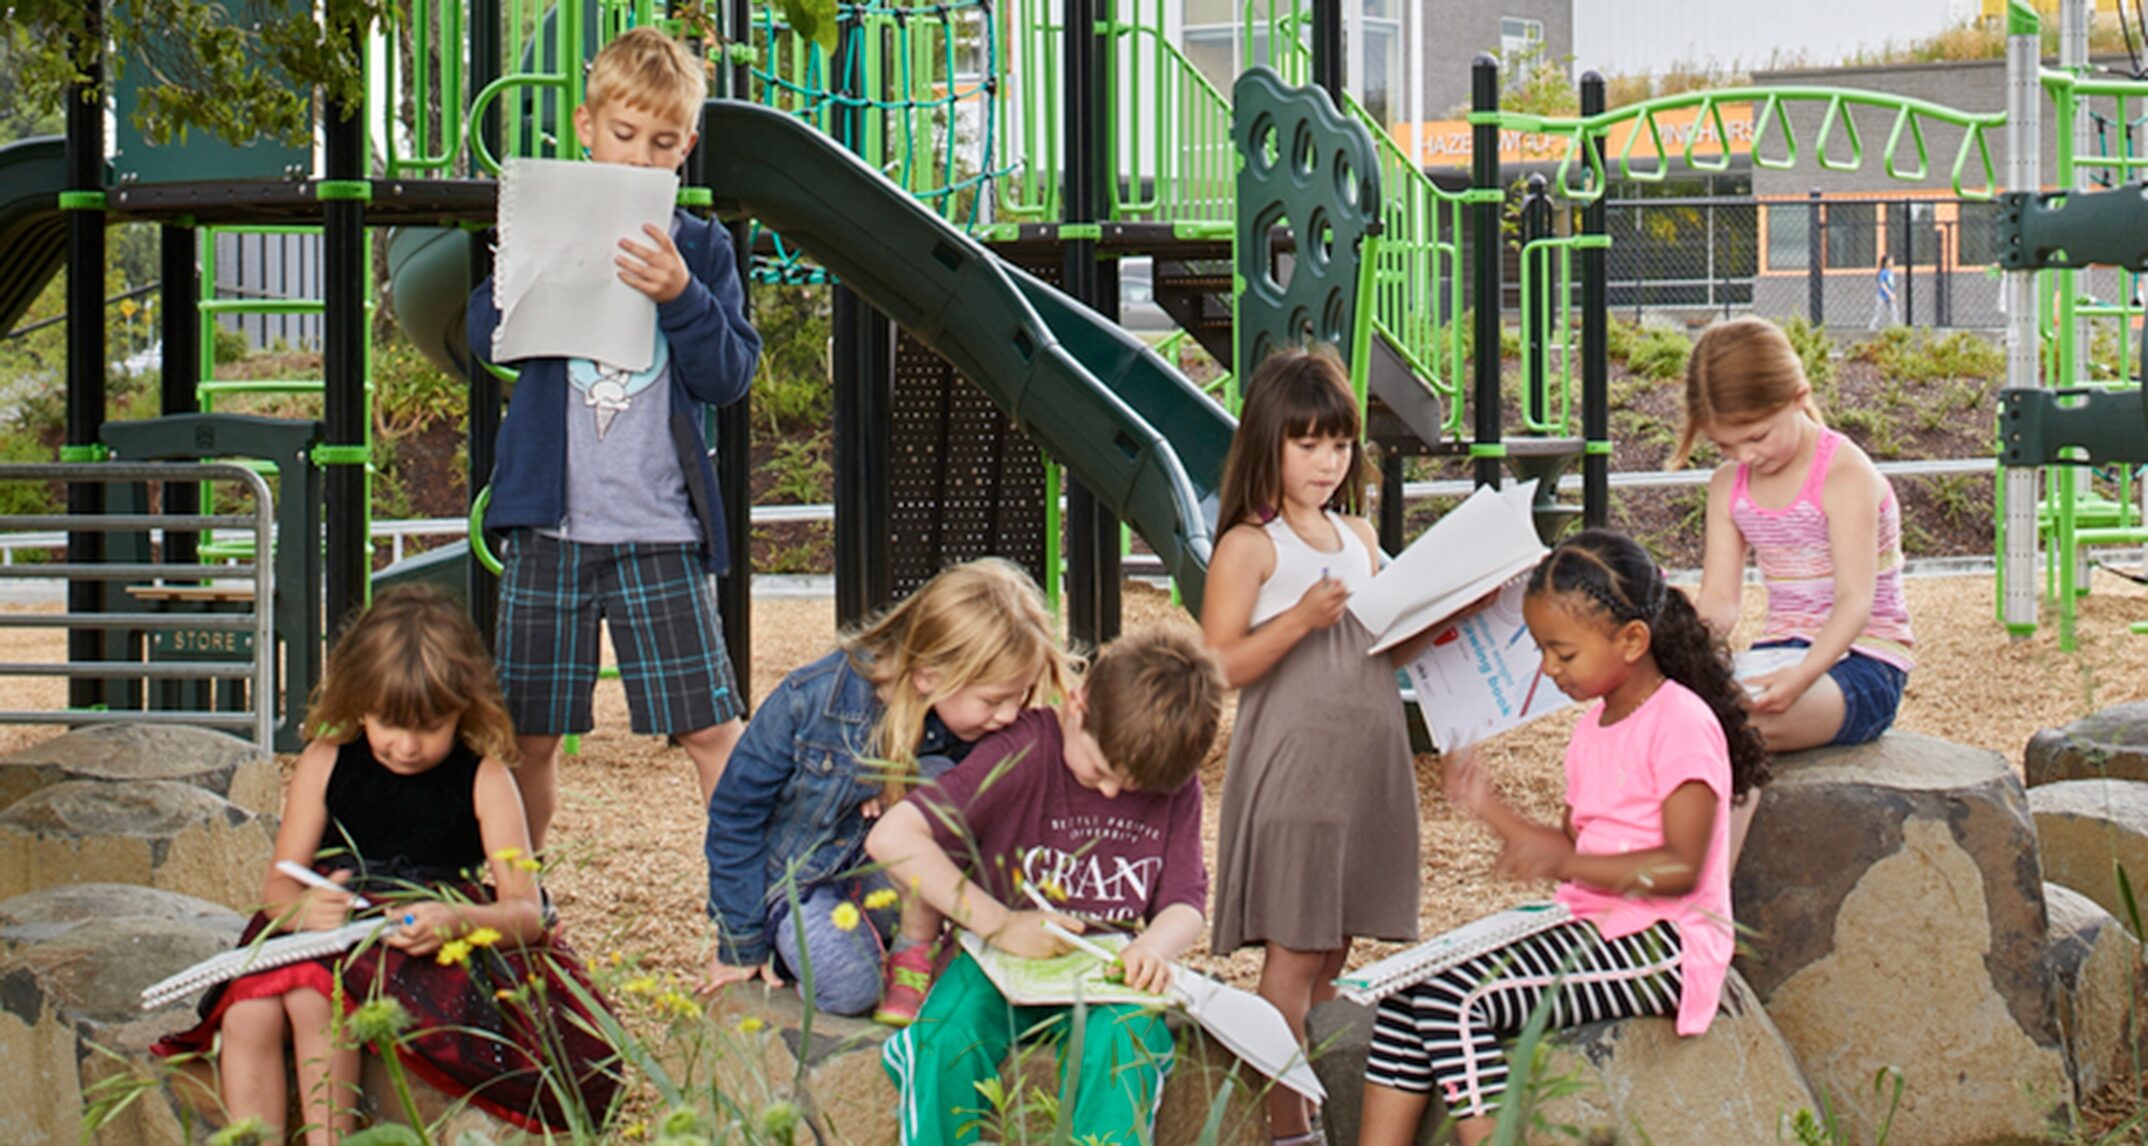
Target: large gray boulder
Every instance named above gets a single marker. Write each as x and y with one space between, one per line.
213 761
2086 830
2096 965
2112 743
73 962
1634 1078
156 833
763 1038
1896 916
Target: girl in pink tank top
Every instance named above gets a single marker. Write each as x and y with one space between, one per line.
1823 525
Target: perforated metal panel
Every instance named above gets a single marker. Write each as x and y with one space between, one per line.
964 483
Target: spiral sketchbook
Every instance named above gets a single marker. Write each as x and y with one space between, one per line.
1058 981
1375 981
556 282
283 950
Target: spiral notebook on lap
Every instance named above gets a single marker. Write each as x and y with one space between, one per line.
1059 981
1375 981
283 950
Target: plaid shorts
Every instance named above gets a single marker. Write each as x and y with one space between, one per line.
660 604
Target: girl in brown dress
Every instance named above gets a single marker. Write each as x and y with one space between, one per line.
1319 826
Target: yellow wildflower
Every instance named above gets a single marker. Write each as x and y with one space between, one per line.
529 865
503 995
507 855
877 900
845 916
454 952
641 986
679 1003
751 1026
1053 891
482 937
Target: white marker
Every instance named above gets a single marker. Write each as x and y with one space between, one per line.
311 878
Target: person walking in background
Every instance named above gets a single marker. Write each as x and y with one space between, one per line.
1883 312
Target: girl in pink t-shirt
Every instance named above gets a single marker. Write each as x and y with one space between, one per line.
1652 772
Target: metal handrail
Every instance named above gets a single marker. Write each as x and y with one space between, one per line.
260 716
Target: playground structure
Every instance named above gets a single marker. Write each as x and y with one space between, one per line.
970 173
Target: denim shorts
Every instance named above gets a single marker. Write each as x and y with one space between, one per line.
1871 692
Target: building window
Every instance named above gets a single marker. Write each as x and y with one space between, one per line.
1977 241
1789 236
1521 43
1852 235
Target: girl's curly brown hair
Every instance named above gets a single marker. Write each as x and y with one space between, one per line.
413 659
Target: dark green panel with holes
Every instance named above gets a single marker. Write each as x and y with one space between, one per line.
1308 195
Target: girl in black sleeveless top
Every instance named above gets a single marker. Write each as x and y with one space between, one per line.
401 799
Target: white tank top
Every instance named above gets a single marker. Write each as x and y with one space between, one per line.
1299 566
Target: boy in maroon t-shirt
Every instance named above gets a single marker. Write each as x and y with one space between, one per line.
1097 800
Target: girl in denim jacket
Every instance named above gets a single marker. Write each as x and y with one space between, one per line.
841 738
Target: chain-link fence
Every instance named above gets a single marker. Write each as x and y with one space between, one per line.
1845 262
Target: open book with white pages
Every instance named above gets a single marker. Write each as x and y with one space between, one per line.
556 281
1477 547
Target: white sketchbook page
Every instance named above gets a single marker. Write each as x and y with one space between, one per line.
1475 548
556 281
1483 675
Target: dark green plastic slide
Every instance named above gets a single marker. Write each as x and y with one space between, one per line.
33 229
1133 430
1130 428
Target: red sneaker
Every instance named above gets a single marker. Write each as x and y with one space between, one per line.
902 992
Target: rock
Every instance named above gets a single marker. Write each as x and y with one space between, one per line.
73 962
2110 744
2096 965
1896 911
213 761
857 1103
2086 830
156 833
1634 1078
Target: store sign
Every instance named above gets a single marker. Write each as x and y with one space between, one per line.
1728 130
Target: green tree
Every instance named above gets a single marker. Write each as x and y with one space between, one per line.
238 69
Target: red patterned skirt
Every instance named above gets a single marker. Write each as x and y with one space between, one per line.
513 1029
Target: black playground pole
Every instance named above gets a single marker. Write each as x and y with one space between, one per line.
733 426
864 393
343 335
1328 49
85 342
482 434
1536 310
179 364
1092 530
1484 239
1595 345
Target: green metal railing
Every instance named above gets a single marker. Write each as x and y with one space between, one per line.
1552 261
1837 146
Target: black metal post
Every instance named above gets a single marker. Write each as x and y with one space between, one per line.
864 369
179 364
481 436
1391 507
1595 341
1484 238
864 399
733 427
343 335
1092 530
1536 308
1815 260
85 343
1328 49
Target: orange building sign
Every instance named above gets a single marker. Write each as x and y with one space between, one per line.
1726 131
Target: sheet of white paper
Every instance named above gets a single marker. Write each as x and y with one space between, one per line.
1483 675
556 280
1476 547
1749 663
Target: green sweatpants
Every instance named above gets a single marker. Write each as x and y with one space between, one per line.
966 1030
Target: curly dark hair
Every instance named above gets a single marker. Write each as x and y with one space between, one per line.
1618 577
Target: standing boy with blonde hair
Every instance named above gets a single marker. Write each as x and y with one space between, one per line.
603 480
1098 801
